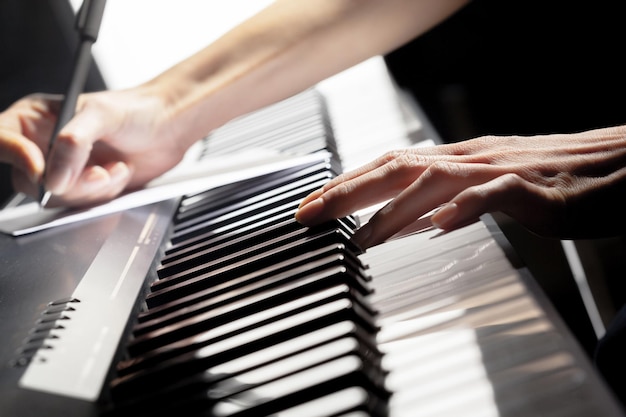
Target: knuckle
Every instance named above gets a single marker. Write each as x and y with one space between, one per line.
512 180
401 158
73 141
562 180
443 169
401 163
393 155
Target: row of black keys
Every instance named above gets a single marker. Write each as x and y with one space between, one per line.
253 314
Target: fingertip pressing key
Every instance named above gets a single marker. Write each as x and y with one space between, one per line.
308 213
446 217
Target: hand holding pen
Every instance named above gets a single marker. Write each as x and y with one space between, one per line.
88 23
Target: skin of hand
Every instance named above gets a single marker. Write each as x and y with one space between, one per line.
558 185
134 144
122 139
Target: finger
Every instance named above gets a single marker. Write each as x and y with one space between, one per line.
436 186
71 151
96 184
22 154
532 205
341 179
345 199
311 197
22 183
373 183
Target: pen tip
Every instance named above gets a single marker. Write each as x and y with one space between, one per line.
44 197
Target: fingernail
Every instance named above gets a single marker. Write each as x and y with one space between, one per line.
310 211
96 173
97 177
445 217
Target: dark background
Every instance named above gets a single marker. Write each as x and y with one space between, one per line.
520 67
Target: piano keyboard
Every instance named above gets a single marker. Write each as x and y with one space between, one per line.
255 322
251 313
247 313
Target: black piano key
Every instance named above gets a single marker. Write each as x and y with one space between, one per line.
247 208
282 356
253 257
215 202
353 401
201 289
292 364
265 301
192 258
358 313
221 386
249 191
228 272
237 253
251 285
192 355
221 237
287 348
212 233
225 195
212 223
266 350
191 228
231 231
336 308
282 231
302 387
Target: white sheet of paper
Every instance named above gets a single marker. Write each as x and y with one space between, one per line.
211 173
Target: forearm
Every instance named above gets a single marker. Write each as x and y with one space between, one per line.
285 49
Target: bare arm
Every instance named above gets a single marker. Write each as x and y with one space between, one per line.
122 139
287 48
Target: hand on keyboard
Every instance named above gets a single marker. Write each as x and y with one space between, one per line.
555 185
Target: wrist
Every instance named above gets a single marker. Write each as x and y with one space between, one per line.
177 109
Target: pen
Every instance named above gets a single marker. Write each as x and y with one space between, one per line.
88 22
